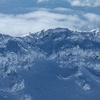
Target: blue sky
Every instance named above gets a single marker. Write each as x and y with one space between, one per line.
24 16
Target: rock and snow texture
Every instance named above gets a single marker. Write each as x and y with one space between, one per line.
56 64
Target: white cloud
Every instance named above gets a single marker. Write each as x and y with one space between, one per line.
60 9
92 17
91 3
21 24
41 1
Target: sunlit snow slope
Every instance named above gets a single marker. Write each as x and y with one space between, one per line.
57 64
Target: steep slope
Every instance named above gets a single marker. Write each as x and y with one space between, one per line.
56 64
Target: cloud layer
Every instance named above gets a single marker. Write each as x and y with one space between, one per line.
92 3
21 24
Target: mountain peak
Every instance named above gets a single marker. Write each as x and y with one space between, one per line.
96 31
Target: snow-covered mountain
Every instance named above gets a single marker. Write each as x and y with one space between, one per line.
56 64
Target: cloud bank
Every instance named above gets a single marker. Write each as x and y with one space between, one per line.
17 25
92 3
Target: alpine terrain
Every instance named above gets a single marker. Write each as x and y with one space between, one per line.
54 64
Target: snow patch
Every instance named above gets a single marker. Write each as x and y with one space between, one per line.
18 87
26 97
85 86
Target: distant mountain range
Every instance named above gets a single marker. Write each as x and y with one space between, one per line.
54 64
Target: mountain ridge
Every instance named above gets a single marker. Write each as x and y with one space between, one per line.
54 64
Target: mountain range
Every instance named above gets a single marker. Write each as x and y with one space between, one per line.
53 64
